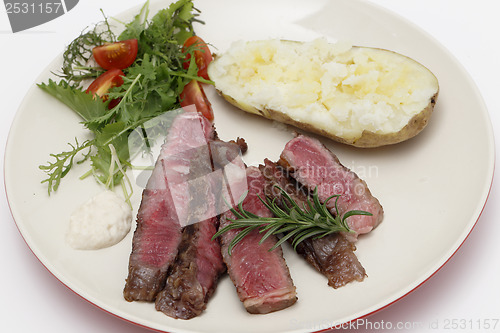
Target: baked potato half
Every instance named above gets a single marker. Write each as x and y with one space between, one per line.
361 96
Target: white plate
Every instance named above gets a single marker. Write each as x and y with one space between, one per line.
433 187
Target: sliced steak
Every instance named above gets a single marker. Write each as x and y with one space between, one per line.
333 255
261 277
163 208
309 162
194 275
199 264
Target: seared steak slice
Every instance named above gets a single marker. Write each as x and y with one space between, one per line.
333 255
313 165
163 208
199 264
195 273
155 241
261 277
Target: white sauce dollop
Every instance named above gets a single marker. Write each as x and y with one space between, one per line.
101 222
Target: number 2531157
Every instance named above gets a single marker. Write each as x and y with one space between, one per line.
34 8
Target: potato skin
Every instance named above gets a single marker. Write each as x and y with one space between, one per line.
416 124
367 139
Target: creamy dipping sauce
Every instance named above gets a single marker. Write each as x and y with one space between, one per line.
102 221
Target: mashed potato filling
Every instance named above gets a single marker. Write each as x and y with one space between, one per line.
334 87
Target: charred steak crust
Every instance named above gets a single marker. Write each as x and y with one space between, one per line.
145 283
198 266
189 286
333 256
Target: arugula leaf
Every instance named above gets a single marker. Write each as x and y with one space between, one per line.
166 31
82 103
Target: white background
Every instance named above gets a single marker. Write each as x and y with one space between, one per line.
466 289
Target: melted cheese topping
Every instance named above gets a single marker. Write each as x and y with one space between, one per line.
335 87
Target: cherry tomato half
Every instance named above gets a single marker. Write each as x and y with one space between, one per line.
202 55
105 81
116 55
193 93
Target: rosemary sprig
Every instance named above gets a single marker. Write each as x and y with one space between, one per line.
295 223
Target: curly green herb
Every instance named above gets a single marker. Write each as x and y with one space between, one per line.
76 68
63 162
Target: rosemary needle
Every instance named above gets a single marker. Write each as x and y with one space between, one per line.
295 223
